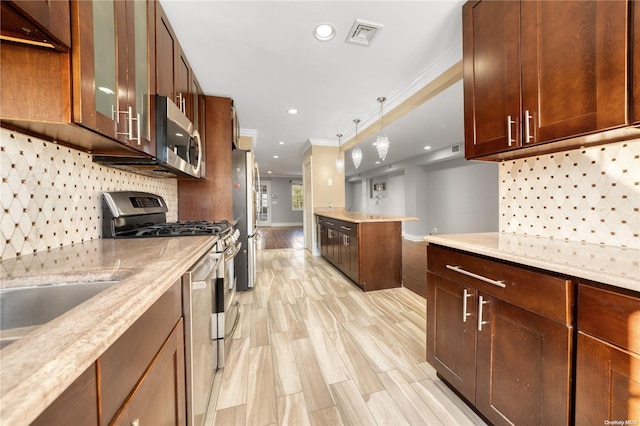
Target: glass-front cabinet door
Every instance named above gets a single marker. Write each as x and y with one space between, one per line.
111 78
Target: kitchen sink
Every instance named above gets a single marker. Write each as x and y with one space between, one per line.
22 309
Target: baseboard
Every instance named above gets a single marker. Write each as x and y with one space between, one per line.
274 225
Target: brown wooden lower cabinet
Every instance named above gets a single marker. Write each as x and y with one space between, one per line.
159 398
608 357
78 405
501 351
140 376
369 253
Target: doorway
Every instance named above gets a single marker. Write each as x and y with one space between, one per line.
264 206
307 219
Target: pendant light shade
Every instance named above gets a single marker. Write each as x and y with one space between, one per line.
382 142
339 160
356 153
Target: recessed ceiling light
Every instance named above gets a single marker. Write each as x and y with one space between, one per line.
377 162
276 156
292 111
281 143
270 171
427 147
324 32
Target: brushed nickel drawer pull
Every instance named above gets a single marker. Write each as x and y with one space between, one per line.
476 276
345 228
329 223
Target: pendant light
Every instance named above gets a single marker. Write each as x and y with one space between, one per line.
382 142
356 153
339 160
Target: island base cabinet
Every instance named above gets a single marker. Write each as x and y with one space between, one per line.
523 366
160 396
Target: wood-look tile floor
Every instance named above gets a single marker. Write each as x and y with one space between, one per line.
313 349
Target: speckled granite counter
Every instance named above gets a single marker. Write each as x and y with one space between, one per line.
37 368
357 217
615 266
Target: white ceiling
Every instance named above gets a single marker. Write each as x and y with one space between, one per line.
263 55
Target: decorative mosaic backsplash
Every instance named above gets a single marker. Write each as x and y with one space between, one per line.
590 195
51 195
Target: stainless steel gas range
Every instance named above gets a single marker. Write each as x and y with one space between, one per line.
211 311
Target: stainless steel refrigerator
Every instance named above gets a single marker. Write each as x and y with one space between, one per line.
246 184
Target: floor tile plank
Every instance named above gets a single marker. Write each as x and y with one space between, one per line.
353 409
315 389
292 410
287 379
261 396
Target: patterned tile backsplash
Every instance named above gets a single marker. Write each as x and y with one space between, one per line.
590 195
51 195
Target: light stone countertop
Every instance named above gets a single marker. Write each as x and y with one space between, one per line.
36 369
619 267
357 217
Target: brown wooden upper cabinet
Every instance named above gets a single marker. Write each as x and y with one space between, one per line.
543 71
41 22
174 77
111 70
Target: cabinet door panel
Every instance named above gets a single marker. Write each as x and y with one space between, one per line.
451 347
96 85
491 75
183 84
523 366
607 382
54 16
166 45
160 397
574 64
122 365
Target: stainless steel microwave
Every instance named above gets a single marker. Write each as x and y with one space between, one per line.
179 150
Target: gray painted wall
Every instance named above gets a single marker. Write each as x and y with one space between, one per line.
281 212
454 196
462 196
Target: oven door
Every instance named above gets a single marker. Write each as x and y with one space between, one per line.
228 308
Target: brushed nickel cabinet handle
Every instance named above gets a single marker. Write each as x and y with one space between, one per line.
346 228
476 276
510 122
466 294
527 128
481 303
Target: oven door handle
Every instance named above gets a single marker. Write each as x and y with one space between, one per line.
200 284
232 252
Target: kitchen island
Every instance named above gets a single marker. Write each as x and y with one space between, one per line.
39 367
366 247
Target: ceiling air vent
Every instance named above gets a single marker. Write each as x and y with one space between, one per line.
362 32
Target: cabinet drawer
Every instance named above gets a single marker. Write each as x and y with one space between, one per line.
124 363
610 316
349 228
537 292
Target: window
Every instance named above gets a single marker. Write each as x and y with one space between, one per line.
297 196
